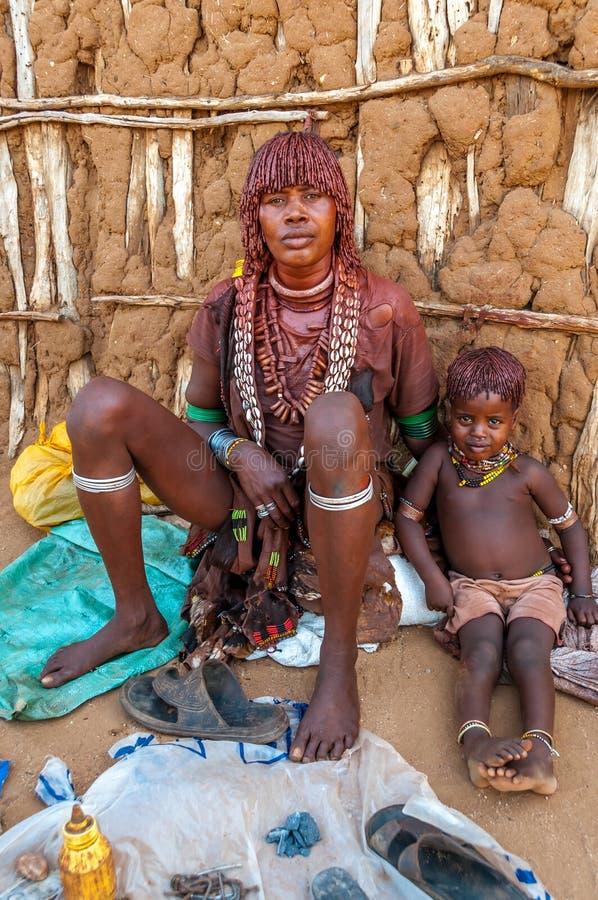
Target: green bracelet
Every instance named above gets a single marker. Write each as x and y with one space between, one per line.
421 425
199 414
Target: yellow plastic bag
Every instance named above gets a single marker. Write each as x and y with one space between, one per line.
41 484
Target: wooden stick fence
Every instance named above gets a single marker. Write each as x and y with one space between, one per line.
34 315
252 117
538 70
468 314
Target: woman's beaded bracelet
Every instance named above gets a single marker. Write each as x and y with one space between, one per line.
230 448
583 597
219 443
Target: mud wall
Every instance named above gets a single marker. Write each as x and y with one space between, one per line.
473 169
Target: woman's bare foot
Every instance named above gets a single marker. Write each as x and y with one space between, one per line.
534 773
487 756
122 634
331 724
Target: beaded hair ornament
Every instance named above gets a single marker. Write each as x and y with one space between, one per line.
286 160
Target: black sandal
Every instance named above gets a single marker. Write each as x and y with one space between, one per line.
207 702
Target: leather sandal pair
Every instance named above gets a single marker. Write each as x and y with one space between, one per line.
439 864
206 702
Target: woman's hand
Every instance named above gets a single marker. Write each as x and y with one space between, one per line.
265 482
439 595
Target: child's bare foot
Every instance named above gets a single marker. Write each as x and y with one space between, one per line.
534 773
331 724
488 756
120 635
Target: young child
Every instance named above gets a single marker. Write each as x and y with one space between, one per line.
501 593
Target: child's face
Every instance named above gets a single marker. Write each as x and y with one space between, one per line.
480 425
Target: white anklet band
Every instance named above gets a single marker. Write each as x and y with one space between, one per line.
100 485
339 504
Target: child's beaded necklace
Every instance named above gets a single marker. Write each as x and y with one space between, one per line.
487 469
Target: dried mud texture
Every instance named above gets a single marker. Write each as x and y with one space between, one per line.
505 241
584 53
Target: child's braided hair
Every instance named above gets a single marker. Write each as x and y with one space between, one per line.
489 370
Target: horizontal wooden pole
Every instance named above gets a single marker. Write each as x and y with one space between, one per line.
171 300
536 69
522 318
469 313
252 117
48 315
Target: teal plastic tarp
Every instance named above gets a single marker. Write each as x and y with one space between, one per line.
58 592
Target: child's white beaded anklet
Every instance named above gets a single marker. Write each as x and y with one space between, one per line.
538 734
467 726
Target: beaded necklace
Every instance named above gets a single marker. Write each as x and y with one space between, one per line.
268 347
487 469
341 337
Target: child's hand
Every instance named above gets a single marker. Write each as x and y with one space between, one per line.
583 611
439 595
563 566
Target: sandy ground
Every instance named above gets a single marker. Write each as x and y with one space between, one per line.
406 690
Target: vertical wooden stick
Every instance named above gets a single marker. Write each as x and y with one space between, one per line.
182 195
438 203
42 396
457 13
494 14
581 189
473 198
57 167
98 70
136 196
80 371
183 374
429 33
126 7
154 181
585 476
42 288
20 12
368 19
16 422
9 231
359 212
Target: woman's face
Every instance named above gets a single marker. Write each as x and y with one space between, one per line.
299 225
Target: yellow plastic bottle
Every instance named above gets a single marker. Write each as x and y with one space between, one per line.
85 860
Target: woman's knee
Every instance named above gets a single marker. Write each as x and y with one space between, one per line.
336 420
99 407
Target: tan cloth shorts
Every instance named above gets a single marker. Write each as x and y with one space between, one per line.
539 597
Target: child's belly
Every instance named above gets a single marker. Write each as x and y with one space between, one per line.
497 540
